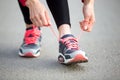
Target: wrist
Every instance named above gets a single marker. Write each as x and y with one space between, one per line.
31 2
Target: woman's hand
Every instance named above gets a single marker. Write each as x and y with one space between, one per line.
89 17
38 13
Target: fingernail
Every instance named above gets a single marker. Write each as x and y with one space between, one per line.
85 27
50 23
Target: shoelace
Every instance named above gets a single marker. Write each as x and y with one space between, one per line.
32 35
70 42
73 45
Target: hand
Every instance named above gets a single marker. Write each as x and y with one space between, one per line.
38 13
89 17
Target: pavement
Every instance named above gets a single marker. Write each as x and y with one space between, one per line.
102 45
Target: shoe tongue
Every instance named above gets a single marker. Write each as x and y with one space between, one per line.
67 35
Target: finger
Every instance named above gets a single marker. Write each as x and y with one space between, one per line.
31 16
38 21
35 22
34 18
89 29
90 26
80 24
44 20
48 19
83 26
91 23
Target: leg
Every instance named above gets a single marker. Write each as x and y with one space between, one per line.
68 44
25 12
31 42
60 11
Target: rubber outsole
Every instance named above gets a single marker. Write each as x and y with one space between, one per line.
29 54
79 58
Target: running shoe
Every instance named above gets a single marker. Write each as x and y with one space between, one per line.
31 43
69 51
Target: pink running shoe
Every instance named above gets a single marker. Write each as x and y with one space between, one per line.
31 43
69 51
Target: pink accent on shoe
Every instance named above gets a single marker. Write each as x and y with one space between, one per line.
79 58
70 42
29 54
32 35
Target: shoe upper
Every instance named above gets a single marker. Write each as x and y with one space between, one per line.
70 51
68 44
32 35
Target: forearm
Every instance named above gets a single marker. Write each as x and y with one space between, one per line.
31 2
28 2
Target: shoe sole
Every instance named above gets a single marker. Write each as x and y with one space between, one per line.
79 58
29 54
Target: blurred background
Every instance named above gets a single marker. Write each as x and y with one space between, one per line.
102 45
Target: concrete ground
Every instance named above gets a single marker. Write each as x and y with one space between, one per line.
102 45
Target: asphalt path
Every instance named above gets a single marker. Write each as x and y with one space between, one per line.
102 45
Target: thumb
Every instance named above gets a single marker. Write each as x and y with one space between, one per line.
86 22
84 25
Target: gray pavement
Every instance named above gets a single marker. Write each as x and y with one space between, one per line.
102 46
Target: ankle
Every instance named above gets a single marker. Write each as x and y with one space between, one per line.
29 25
64 29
